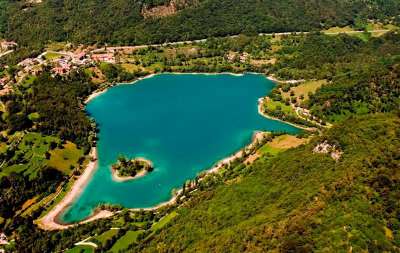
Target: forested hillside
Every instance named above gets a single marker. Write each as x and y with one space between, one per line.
122 22
345 85
363 74
301 201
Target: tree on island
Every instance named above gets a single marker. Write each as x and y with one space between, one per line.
130 168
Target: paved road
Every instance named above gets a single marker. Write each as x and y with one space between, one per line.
110 49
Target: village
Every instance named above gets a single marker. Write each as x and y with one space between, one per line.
60 63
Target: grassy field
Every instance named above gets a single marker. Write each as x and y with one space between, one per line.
52 56
81 249
164 221
28 81
370 27
281 143
66 158
126 240
274 105
131 236
337 29
104 236
304 89
29 155
131 68
56 46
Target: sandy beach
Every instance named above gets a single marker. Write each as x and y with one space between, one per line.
94 94
274 79
118 178
49 221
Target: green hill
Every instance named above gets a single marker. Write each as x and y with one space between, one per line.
300 201
123 21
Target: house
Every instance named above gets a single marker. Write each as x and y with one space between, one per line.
104 58
63 68
243 57
59 71
80 59
27 62
80 55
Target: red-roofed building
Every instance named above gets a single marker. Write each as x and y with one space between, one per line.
103 58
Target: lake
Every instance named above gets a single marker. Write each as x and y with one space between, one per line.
183 123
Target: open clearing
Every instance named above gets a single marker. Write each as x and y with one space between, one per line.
281 143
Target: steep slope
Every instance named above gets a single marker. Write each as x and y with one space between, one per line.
301 201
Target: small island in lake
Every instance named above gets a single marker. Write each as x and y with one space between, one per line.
126 169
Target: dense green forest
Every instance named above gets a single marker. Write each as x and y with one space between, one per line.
56 102
121 22
300 201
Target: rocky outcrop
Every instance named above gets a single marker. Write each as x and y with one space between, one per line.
168 9
326 148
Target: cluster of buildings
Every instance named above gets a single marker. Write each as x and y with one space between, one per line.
105 57
30 66
61 63
69 61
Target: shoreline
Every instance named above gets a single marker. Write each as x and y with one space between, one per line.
292 81
97 93
260 102
51 220
121 179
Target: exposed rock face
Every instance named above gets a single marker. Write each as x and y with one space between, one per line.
326 148
168 9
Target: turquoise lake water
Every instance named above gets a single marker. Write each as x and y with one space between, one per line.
183 123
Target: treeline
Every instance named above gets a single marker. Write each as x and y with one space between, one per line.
301 201
121 22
